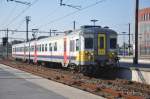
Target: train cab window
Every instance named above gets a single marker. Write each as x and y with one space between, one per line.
72 45
55 46
45 47
113 43
42 47
101 42
88 43
77 44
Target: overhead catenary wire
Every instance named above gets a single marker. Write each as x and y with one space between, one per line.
9 15
69 5
22 12
45 17
20 24
72 13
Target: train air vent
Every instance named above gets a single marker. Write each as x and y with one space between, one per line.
106 27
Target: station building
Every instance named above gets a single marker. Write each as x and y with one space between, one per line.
144 32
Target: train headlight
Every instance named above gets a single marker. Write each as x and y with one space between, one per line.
92 53
112 55
86 52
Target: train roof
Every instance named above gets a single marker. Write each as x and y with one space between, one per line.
97 29
83 29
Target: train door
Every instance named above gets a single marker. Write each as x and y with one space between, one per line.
24 52
101 44
35 53
65 51
50 49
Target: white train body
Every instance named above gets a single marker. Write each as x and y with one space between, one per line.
86 46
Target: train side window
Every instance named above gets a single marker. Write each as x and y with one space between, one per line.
50 47
77 44
39 48
72 45
45 47
42 47
113 43
27 48
36 46
101 42
23 49
55 46
32 48
88 43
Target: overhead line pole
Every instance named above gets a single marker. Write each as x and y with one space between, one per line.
129 40
7 43
135 60
27 24
50 31
74 25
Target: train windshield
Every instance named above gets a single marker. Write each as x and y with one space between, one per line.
88 43
113 43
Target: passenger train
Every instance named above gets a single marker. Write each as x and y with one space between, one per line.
87 46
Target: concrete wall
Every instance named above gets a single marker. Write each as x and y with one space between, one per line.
142 76
135 74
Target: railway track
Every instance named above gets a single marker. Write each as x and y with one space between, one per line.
112 89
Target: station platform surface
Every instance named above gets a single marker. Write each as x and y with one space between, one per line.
17 84
127 62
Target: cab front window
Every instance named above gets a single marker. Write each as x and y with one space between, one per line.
113 43
88 43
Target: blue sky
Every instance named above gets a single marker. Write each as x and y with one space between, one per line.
47 14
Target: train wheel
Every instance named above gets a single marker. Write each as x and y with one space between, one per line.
73 66
91 70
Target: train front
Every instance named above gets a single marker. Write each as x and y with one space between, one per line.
100 46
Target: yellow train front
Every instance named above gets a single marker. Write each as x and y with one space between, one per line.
98 47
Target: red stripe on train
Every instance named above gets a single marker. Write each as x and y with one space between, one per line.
65 50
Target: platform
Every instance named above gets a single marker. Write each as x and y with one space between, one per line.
136 72
17 84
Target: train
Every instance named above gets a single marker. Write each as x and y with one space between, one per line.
87 47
